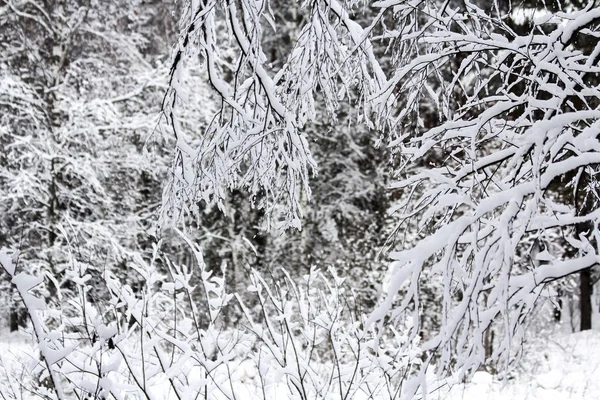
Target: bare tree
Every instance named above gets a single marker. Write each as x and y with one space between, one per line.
487 121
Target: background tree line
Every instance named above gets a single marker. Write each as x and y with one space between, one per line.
251 137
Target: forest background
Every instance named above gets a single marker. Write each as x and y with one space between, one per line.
375 198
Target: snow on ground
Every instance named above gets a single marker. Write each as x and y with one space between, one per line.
566 367
562 367
15 350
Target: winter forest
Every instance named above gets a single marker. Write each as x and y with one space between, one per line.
310 199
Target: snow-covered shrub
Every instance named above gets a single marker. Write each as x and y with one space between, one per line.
306 340
315 334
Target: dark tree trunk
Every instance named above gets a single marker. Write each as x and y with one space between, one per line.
489 343
584 205
585 299
17 317
559 305
15 320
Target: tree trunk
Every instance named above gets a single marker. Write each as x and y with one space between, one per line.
585 299
558 307
17 318
489 343
584 205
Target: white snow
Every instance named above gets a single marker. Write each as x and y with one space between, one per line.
559 367
565 367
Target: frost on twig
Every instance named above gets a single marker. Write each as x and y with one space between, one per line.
509 156
51 349
254 141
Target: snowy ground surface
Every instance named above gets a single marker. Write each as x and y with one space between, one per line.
563 367
560 368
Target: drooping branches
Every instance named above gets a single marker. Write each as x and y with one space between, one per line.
500 115
254 141
518 127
